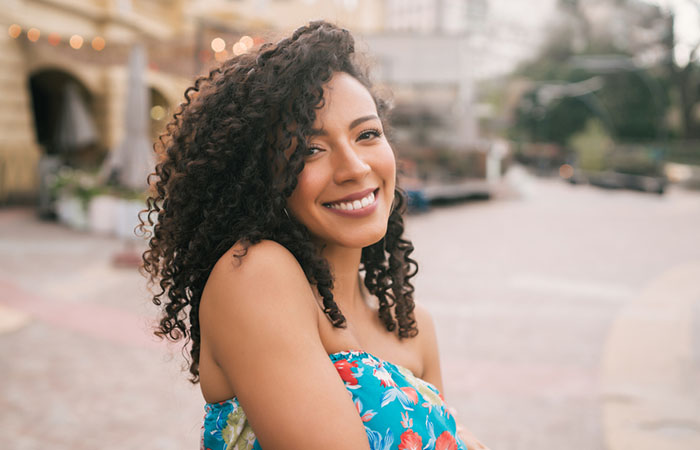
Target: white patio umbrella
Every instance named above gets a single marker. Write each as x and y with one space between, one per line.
133 159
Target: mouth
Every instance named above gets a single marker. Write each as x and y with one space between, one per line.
356 202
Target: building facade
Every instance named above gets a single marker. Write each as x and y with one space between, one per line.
63 77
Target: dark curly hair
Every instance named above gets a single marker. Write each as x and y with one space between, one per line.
224 178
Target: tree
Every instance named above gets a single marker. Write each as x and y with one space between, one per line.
684 73
631 100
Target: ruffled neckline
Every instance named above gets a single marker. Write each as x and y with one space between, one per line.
361 353
336 356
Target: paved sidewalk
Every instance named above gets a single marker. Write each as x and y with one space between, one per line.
79 367
568 317
651 367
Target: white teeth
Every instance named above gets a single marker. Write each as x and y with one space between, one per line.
356 204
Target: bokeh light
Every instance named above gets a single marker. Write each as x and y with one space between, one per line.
14 31
239 48
76 41
218 44
158 113
98 43
33 34
53 39
247 41
566 171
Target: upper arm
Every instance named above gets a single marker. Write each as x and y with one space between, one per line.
260 320
428 345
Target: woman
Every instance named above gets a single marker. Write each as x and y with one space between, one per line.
279 253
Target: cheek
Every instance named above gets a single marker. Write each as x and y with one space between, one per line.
306 191
386 166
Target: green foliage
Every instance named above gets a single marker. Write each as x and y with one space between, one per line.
635 103
69 182
85 185
631 103
591 146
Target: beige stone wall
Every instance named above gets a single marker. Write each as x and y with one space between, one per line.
106 83
360 16
19 152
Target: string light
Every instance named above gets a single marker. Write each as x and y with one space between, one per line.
239 48
98 43
14 31
53 39
76 41
33 34
218 44
247 41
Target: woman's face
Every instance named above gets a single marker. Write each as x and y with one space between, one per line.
345 192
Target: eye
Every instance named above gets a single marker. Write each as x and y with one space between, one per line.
311 151
369 134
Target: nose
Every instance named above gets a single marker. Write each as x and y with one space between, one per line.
349 164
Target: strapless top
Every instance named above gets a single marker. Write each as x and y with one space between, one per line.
398 410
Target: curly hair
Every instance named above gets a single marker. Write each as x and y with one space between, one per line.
224 178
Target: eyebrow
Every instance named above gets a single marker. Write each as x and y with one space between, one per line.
353 124
359 120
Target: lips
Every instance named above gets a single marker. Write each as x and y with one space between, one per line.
356 201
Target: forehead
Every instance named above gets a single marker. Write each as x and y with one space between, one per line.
345 99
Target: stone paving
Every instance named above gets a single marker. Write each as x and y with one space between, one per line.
568 317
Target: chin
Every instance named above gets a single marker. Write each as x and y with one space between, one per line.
360 239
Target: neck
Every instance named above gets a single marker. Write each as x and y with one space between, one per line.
345 265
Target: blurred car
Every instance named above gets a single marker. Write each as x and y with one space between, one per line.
630 166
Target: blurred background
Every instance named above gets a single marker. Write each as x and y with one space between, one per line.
550 150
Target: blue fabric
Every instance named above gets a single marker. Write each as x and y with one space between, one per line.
399 410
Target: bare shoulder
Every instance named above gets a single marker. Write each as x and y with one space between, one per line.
246 273
426 338
423 318
428 345
252 288
258 316
241 262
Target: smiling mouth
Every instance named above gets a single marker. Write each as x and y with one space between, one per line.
354 205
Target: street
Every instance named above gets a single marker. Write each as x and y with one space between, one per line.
568 317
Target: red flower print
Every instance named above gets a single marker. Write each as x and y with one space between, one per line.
411 394
344 369
446 442
411 441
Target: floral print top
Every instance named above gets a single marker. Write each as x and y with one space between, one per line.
399 410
